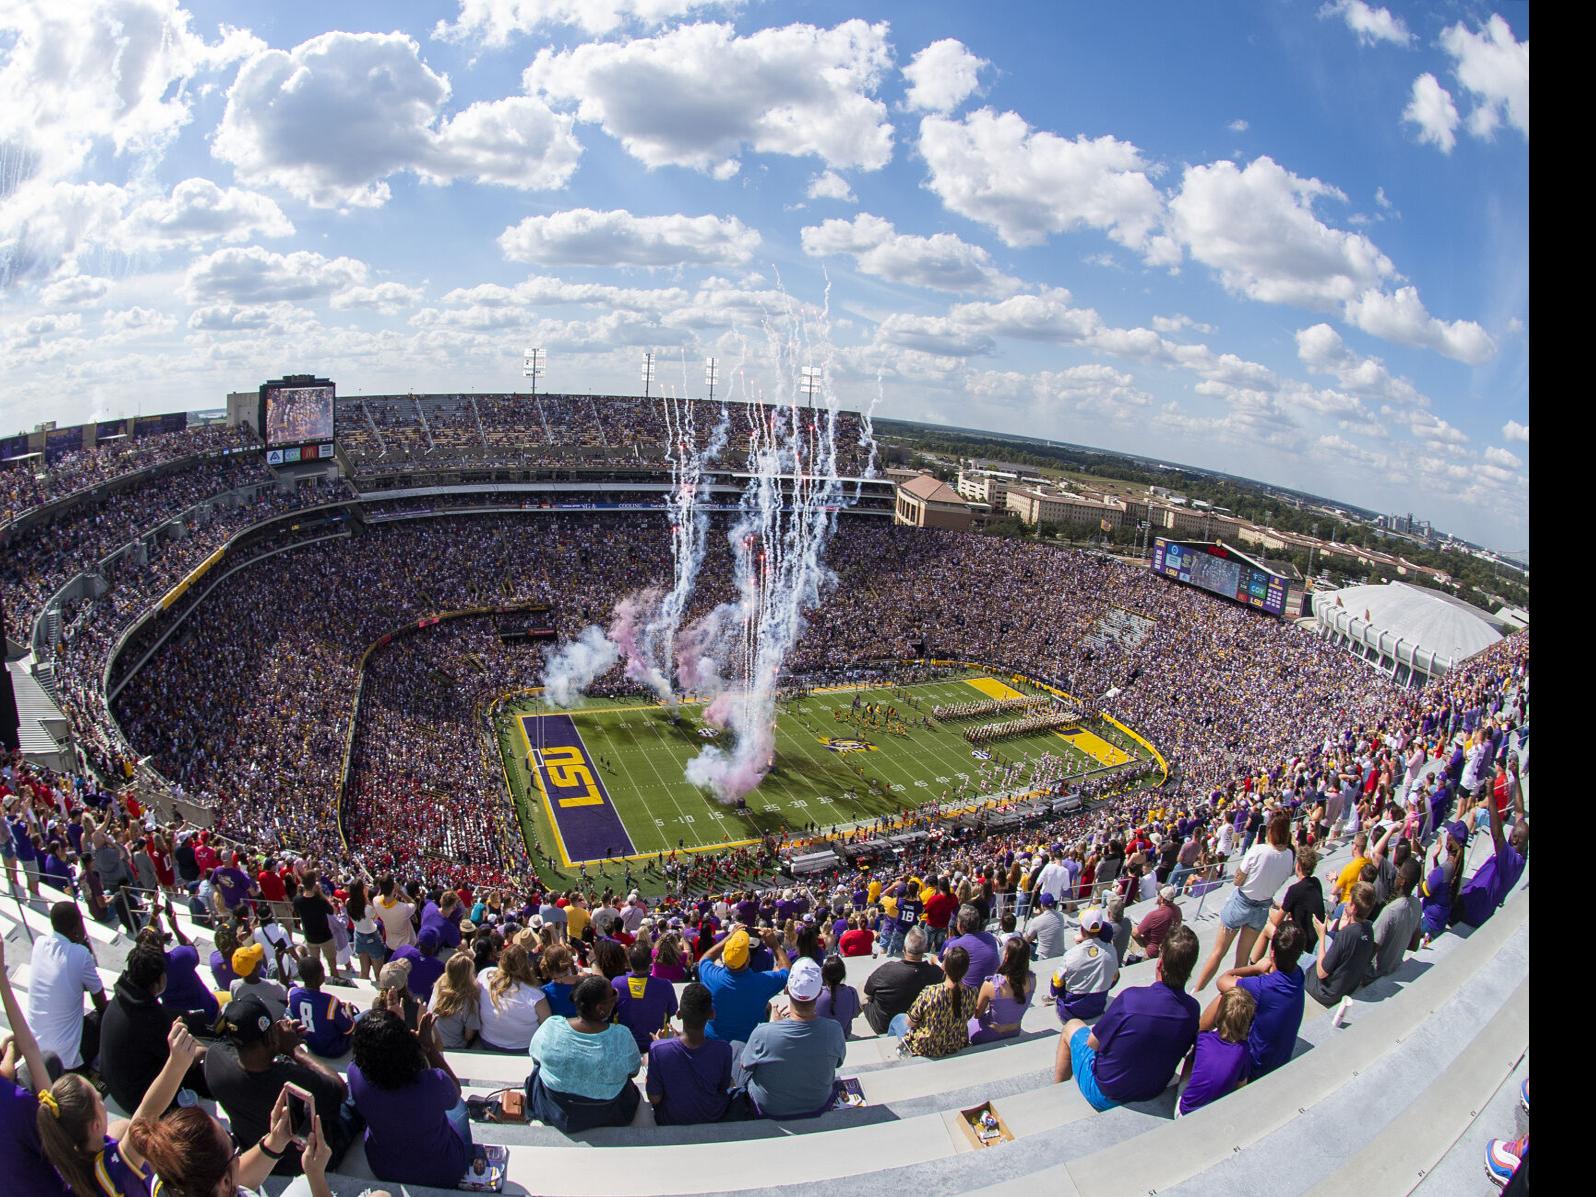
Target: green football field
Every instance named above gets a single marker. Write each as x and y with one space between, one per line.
639 756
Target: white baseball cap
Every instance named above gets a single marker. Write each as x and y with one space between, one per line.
803 980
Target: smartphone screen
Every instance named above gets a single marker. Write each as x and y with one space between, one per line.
300 1110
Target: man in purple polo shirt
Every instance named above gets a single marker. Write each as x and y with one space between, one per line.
1133 1051
1495 878
978 942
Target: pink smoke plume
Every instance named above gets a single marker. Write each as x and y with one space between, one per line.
627 627
697 666
731 775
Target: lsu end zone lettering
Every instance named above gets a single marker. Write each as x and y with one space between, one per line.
846 744
585 821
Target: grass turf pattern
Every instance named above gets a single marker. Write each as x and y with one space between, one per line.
640 754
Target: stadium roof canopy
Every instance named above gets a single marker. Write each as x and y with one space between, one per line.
1430 621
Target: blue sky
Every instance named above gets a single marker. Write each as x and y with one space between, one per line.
1283 239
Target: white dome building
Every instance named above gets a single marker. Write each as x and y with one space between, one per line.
1408 632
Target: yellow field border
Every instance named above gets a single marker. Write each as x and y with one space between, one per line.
902 819
1163 765
554 824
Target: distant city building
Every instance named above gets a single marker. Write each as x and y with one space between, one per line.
925 501
1035 506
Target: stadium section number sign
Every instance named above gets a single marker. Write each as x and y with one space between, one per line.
1222 571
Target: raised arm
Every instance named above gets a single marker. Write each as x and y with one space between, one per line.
182 1051
27 1045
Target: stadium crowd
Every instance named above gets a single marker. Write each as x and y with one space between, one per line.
24 486
760 1028
407 433
251 708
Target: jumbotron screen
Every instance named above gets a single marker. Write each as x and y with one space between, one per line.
298 415
1215 568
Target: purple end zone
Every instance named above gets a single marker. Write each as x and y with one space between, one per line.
588 825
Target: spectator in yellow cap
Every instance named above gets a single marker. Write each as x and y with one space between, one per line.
249 969
740 993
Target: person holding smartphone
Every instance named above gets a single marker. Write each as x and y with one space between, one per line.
248 1069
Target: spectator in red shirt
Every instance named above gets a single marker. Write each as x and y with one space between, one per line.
1156 925
856 940
940 908
205 856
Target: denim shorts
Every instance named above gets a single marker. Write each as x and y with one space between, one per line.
370 945
1083 1063
1241 911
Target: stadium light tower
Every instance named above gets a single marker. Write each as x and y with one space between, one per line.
532 365
810 383
648 372
711 368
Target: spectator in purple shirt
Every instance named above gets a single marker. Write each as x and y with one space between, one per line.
1497 875
644 1003
689 1075
1219 1062
1132 1052
425 966
979 943
231 885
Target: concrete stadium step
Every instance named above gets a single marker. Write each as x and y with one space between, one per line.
1270 1135
1070 1129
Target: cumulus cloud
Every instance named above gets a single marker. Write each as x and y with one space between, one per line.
1516 432
543 290
942 261
1092 389
699 96
385 298
942 76
76 291
1494 68
262 317
1402 317
828 184
1257 228
1372 25
252 275
1501 457
126 321
1179 323
584 237
1321 349
1238 126
493 23
196 211
1028 183
332 119
78 73
1433 111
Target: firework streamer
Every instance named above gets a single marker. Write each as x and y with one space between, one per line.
788 513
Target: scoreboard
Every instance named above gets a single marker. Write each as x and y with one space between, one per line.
1221 570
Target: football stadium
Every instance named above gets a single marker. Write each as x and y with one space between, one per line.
382 717
1047 713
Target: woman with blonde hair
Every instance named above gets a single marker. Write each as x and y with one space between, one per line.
513 1005
457 1003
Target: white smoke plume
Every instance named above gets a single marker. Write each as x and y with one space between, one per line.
572 668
